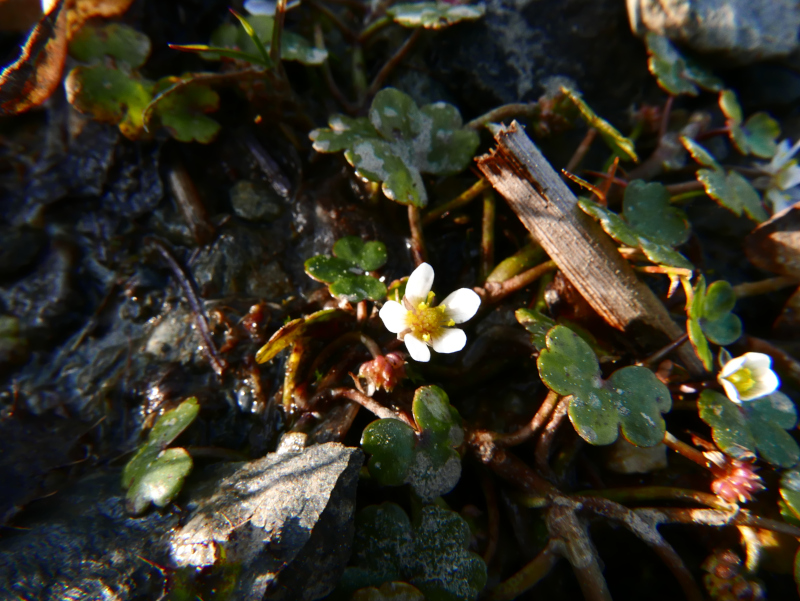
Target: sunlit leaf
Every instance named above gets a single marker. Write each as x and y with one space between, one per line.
310 325
183 112
92 44
434 15
345 273
757 136
399 142
675 73
741 430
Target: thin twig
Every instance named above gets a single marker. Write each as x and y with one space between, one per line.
687 451
663 127
366 402
348 33
661 353
507 111
651 493
333 88
764 286
459 201
418 251
494 292
581 150
684 187
487 235
218 364
393 61
493 514
277 33
528 576
546 439
532 427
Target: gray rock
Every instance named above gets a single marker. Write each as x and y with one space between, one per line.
287 519
744 31
255 201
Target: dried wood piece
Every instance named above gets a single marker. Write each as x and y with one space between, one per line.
583 252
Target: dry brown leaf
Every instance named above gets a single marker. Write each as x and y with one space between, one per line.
81 11
34 76
775 244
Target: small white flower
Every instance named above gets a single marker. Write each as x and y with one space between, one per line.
421 325
748 377
781 177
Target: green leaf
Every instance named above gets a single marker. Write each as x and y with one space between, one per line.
155 474
754 426
675 73
110 96
327 269
369 256
92 44
399 142
631 400
759 133
661 254
647 210
790 492
525 258
293 46
431 464
434 15
356 288
618 143
742 193
433 556
314 324
390 443
182 112
710 317
700 154
611 223
537 324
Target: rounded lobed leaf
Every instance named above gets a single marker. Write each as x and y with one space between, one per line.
182 112
640 398
383 541
434 15
718 300
122 43
761 132
395 115
390 443
728 423
434 414
356 288
342 132
662 254
369 256
537 325
646 208
726 330
327 269
612 223
160 481
568 363
668 66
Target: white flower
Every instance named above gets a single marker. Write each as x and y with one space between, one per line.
421 325
781 177
748 377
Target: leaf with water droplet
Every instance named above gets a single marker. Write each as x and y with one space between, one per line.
741 430
434 15
631 400
344 273
399 142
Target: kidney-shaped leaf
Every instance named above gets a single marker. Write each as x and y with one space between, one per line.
631 400
93 43
399 142
760 425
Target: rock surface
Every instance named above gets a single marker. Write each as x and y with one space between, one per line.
744 31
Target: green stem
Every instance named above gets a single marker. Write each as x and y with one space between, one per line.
336 92
494 292
459 201
393 61
681 198
374 28
277 33
525 258
507 111
487 234
417 240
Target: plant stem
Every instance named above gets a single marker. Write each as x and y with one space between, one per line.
687 451
546 439
507 111
494 292
581 150
459 201
675 189
336 92
277 34
661 353
764 286
395 60
366 402
348 33
418 251
783 361
532 427
664 125
528 576
493 514
373 28
650 493
681 198
487 235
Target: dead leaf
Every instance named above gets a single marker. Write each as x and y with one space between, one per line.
82 10
775 244
34 76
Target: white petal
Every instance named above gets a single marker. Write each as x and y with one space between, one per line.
461 305
418 350
730 390
789 177
450 340
767 382
419 284
733 366
393 315
783 153
756 362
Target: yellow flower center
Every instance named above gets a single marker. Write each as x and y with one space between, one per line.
426 322
742 379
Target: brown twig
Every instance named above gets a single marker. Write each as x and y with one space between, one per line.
494 292
507 111
366 402
528 576
349 107
218 364
546 439
190 204
764 286
493 515
663 352
532 427
687 451
581 150
418 251
393 61
348 33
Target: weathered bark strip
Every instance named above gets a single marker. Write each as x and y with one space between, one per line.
585 254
